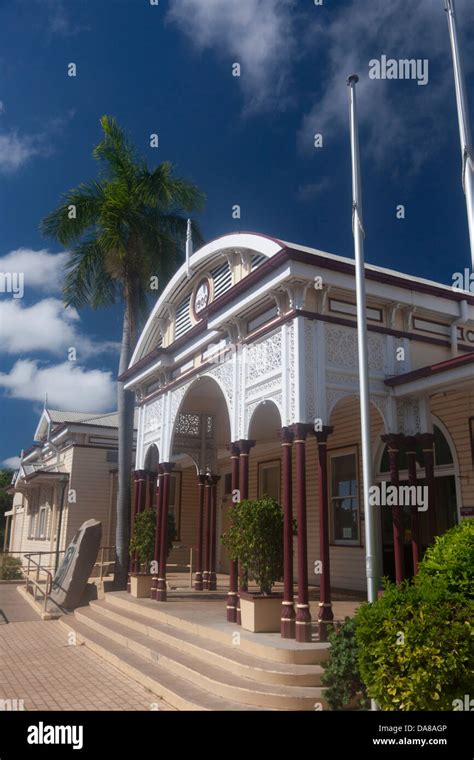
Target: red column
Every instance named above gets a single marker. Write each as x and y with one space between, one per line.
161 590
427 444
393 442
244 449
207 553
410 446
141 491
198 584
156 554
287 628
325 606
131 564
303 614
212 566
231 614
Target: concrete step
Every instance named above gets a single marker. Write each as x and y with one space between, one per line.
279 650
207 676
229 657
176 691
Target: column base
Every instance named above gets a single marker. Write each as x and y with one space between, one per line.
212 582
154 587
325 611
231 609
287 626
198 585
129 584
205 580
161 595
303 624
238 614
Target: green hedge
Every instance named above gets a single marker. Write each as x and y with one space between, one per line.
413 648
10 568
415 644
341 676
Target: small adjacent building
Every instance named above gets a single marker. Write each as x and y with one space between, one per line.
68 476
246 378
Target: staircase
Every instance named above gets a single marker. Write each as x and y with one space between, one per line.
192 667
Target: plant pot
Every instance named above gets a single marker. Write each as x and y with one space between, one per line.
259 613
140 585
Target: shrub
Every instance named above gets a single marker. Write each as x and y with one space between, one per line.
255 537
451 560
143 537
415 646
10 568
341 678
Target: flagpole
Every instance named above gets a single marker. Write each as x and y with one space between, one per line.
464 123
359 234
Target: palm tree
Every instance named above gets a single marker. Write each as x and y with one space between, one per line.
123 229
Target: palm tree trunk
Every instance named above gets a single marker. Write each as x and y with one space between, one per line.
125 406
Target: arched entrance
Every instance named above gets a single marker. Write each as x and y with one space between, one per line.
199 452
446 507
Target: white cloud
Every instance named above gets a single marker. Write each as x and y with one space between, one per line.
401 123
68 386
45 326
16 150
42 270
12 463
258 34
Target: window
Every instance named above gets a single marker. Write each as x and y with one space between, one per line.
42 522
31 529
227 484
174 507
269 479
344 498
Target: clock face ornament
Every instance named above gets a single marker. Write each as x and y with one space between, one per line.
201 297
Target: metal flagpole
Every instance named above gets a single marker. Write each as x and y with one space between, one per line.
464 123
359 234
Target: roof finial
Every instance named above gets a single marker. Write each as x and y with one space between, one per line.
189 248
45 401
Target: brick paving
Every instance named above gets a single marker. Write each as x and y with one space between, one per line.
39 666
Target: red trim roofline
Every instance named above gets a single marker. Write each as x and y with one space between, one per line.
432 369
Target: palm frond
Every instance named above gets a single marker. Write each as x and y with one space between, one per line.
87 281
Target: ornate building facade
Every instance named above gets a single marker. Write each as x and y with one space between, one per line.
246 377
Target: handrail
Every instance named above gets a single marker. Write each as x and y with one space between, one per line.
46 589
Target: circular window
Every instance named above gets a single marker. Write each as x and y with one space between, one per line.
201 297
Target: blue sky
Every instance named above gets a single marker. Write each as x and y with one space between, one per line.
246 141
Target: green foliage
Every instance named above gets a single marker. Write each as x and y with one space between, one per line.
451 560
255 537
10 568
143 537
341 678
126 226
415 647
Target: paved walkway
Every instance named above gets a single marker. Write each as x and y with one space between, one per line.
39 666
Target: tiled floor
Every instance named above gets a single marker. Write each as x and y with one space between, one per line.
39 666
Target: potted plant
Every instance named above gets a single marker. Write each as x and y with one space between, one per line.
255 538
143 546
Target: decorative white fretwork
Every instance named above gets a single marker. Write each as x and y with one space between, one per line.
263 357
409 416
153 416
341 349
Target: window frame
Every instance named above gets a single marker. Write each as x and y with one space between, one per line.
335 454
261 467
